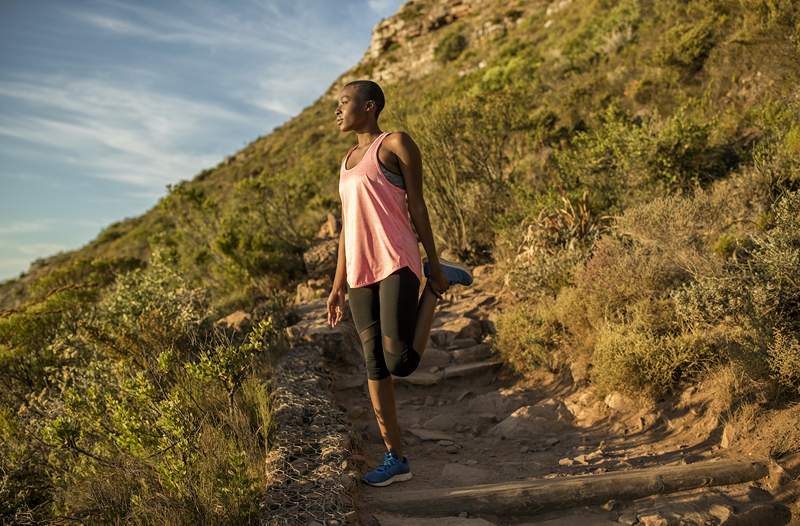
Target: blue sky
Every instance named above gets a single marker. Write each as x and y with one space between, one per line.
103 103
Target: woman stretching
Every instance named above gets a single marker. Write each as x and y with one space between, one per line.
379 263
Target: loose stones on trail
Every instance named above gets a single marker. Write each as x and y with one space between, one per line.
546 417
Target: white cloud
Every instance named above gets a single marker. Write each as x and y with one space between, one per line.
23 227
40 249
122 133
268 29
382 7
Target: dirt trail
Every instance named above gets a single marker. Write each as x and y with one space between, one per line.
466 419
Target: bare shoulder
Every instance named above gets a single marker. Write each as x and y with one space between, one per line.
400 142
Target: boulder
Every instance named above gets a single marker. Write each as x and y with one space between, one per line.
235 320
619 402
494 403
482 351
531 421
450 330
434 357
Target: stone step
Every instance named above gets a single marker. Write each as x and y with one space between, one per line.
451 371
539 495
468 369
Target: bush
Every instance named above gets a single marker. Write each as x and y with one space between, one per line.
688 45
547 249
626 161
604 33
756 296
468 162
150 415
527 335
450 47
635 359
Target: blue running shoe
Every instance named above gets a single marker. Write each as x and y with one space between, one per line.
393 469
455 272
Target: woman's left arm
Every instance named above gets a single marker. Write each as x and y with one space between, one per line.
410 160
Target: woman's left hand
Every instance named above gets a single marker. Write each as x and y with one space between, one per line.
439 281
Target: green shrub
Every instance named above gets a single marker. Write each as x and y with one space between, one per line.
624 161
526 335
688 45
450 47
468 147
603 33
147 414
635 359
549 247
756 297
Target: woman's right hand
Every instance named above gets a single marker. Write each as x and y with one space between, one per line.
335 306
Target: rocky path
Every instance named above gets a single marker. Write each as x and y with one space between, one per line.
468 420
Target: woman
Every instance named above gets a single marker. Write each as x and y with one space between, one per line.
380 185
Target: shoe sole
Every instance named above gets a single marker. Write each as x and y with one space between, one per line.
395 478
465 270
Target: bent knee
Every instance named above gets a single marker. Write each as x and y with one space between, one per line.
401 358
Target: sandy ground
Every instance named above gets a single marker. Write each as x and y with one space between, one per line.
467 419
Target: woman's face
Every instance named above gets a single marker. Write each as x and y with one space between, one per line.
349 114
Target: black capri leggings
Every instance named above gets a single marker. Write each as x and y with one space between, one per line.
387 309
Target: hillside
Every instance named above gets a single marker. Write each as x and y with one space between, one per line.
628 169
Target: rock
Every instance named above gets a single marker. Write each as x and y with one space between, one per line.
609 505
430 434
235 320
585 408
647 420
532 421
463 343
628 517
720 511
619 402
579 371
494 402
461 327
565 462
777 476
442 422
771 513
451 449
463 395
434 357
481 351
653 519
728 434
312 289
461 475
420 378
468 369
445 442
320 260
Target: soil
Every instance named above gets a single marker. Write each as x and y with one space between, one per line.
466 418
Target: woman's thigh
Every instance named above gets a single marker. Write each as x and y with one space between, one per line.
365 308
398 309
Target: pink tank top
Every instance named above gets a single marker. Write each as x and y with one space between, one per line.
378 236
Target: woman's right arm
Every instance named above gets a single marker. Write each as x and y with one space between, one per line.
340 278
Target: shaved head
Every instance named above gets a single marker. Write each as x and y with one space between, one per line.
368 90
